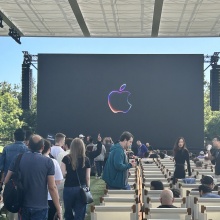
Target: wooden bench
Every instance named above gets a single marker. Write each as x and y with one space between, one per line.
154 202
123 212
199 202
210 212
168 213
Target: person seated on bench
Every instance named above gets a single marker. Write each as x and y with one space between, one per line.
156 185
206 192
166 199
206 181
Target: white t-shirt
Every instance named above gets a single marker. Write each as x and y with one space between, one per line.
55 150
61 155
58 174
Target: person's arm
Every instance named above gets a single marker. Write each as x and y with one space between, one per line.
210 157
188 163
63 169
119 161
88 170
8 176
2 164
54 195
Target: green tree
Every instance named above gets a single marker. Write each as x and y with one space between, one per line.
211 118
10 114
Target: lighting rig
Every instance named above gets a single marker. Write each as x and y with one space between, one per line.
212 60
1 20
30 59
15 35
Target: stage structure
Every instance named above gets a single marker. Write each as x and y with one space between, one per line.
214 80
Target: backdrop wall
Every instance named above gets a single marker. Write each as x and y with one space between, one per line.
165 91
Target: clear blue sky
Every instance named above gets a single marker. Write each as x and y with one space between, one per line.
11 56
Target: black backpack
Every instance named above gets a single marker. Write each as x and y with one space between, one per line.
13 191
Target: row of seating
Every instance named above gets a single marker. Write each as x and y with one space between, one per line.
141 202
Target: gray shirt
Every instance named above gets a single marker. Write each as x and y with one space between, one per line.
35 168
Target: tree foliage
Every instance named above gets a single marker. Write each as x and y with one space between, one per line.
11 114
211 118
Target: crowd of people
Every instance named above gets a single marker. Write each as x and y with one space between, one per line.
65 165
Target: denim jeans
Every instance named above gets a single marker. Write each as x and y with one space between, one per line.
33 214
73 204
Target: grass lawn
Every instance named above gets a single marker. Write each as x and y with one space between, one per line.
97 187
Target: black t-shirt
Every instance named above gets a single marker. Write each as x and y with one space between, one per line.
166 206
71 176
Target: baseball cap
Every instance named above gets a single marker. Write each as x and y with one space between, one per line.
81 136
201 153
207 180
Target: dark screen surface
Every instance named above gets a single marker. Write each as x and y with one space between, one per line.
156 97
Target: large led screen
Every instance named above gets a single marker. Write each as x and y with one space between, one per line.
156 97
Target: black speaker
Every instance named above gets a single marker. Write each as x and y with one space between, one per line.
215 88
26 87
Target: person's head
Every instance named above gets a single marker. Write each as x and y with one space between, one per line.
156 185
19 134
208 181
216 141
87 138
36 143
166 197
47 146
147 145
203 189
179 144
60 139
201 153
176 193
162 155
138 142
81 136
77 150
68 141
126 139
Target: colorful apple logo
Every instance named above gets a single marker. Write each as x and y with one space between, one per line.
118 100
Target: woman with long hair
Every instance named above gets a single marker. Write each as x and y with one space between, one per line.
73 163
181 155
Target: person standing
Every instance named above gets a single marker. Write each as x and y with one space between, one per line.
59 143
142 149
181 155
37 176
58 178
9 153
75 165
214 155
115 172
99 161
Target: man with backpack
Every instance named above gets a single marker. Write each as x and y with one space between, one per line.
9 153
37 177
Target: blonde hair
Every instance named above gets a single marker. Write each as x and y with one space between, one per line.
77 150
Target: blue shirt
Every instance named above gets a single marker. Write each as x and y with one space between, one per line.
9 153
210 195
